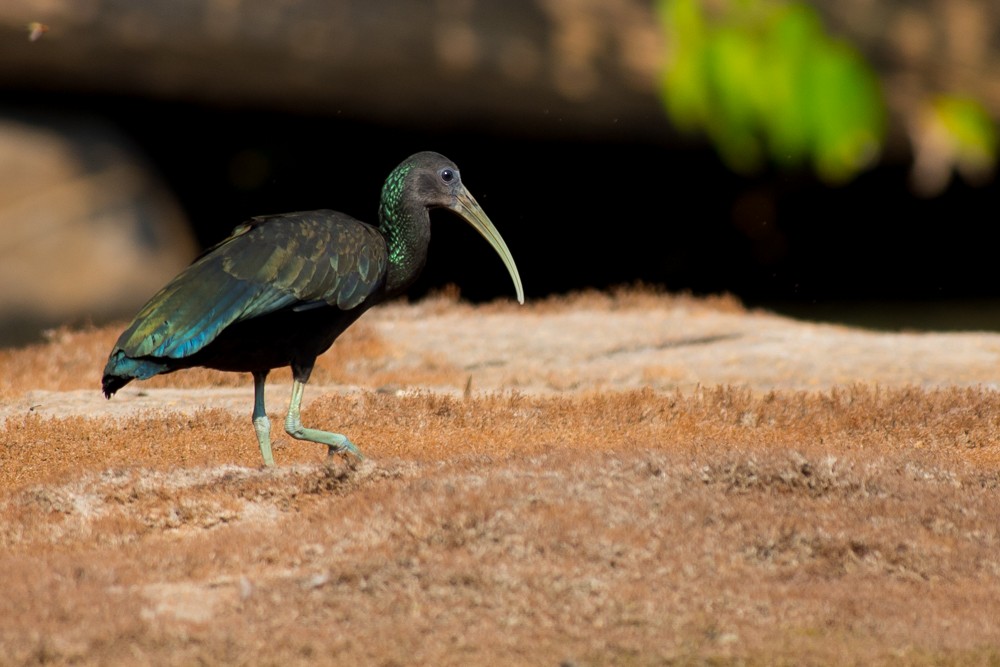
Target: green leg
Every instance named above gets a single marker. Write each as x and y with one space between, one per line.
261 424
337 443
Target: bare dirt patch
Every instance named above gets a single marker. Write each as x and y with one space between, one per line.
602 479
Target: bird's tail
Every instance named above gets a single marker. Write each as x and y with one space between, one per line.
122 369
112 383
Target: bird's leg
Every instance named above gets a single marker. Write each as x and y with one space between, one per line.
261 424
337 443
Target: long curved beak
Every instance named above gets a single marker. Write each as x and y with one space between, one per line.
470 210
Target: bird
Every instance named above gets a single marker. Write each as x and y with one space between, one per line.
280 289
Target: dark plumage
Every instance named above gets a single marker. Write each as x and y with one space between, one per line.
281 288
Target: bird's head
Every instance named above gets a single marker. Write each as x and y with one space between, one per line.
433 181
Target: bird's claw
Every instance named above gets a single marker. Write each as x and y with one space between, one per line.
343 449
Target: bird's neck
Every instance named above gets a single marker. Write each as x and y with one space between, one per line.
406 227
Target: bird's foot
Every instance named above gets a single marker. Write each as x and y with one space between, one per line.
343 447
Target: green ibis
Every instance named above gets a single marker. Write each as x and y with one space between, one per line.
280 289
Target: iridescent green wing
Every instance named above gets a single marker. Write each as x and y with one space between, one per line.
296 261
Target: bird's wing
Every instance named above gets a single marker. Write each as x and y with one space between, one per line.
298 260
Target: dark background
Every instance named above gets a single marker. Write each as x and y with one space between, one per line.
583 214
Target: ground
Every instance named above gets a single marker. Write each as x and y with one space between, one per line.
631 478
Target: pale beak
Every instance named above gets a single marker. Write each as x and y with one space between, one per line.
470 210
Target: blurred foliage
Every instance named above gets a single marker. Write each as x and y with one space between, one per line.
763 80
954 133
971 132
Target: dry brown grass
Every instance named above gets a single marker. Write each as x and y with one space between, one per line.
720 526
73 359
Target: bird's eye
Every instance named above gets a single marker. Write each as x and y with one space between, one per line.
447 175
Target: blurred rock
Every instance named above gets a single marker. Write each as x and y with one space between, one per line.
87 232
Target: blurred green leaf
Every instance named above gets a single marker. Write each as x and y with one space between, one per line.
732 59
847 134
684 84
784 111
